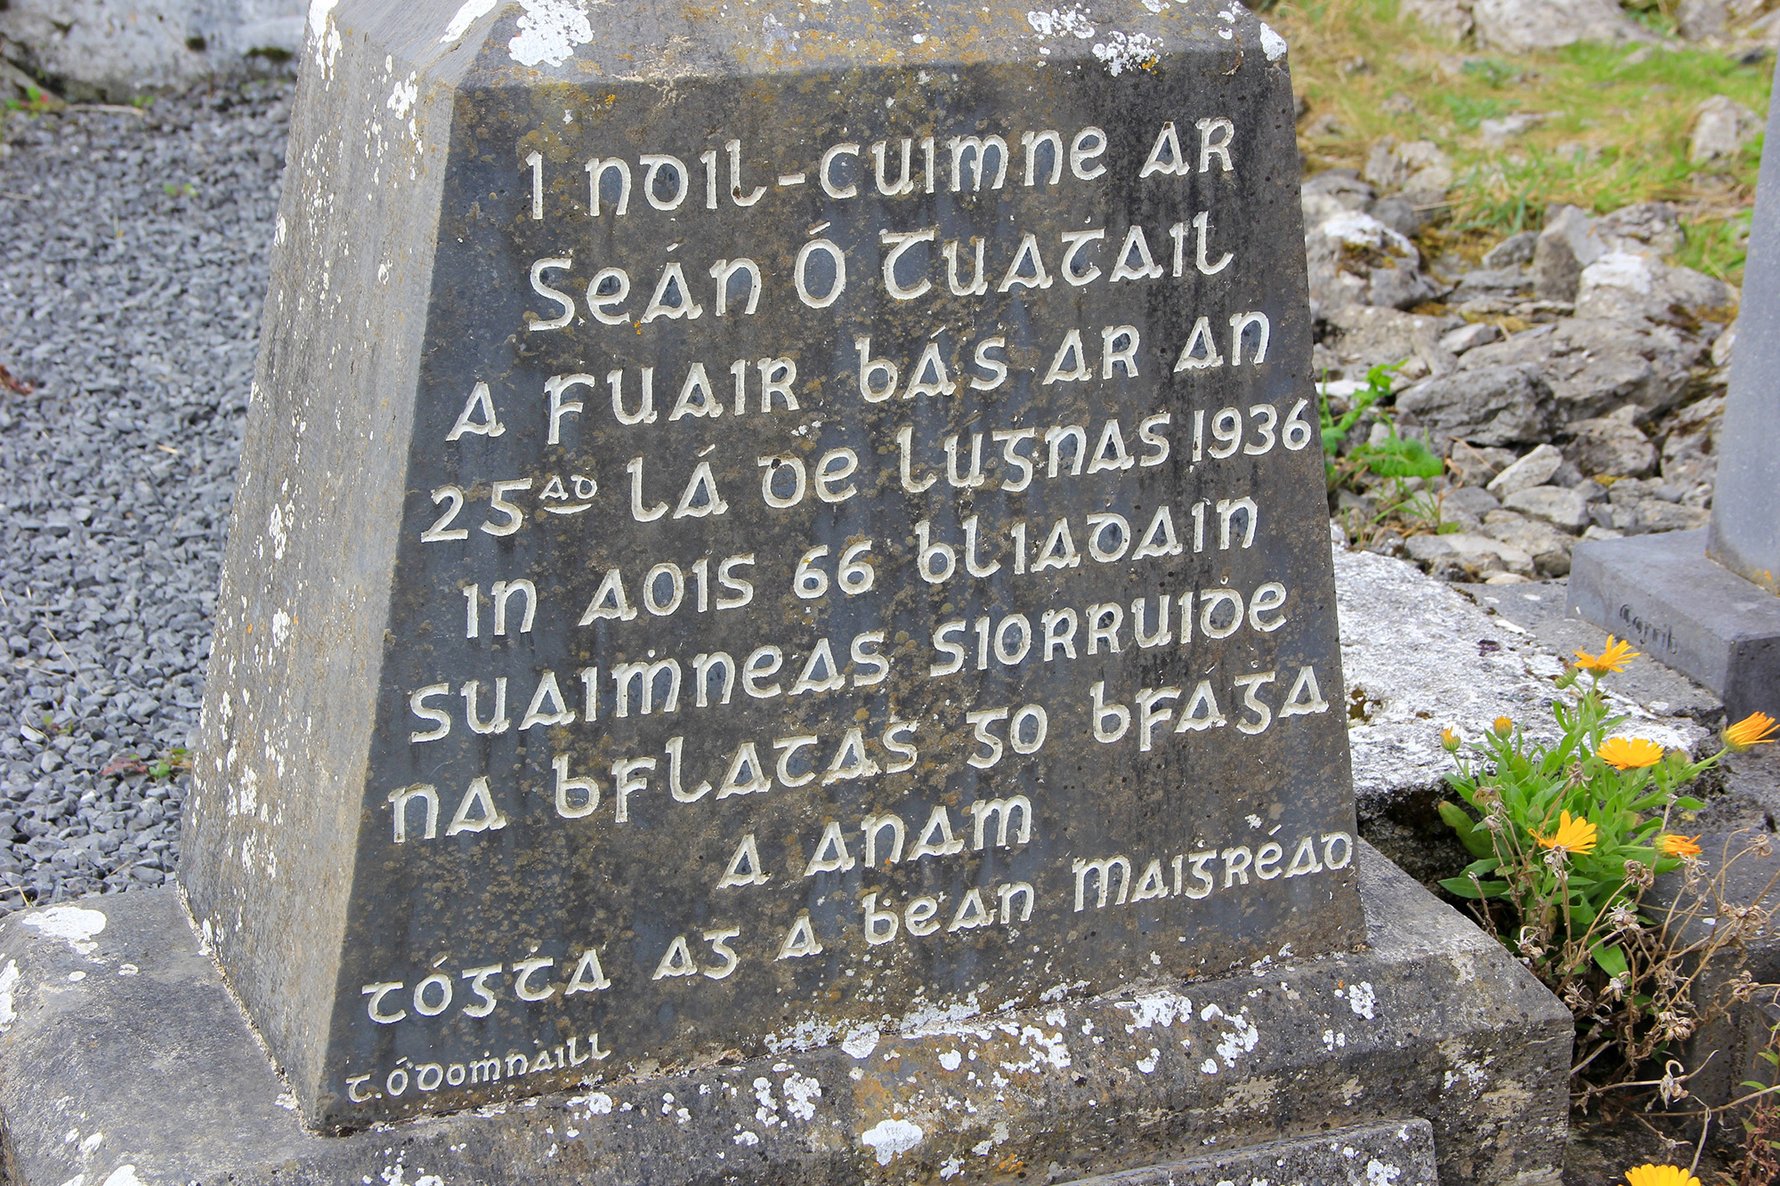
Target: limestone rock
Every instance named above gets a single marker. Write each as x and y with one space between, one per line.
1648 228
1700 20
1568 243
116 50
1611 445
1722 128
1549 547
1623 286
1475 465
1465 554
1513 252
1417 169
1356 259
1516 26
1501 405
1690 451
1332 192
1466 506
1499 132
1535 469
1594 365
1451 17
1641 505
1364 335
1470 336
1559 506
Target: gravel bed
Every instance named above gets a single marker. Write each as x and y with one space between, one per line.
133 250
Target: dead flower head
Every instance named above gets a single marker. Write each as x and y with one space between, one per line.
1672 844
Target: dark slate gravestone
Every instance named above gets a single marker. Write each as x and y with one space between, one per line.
1704 602
762 522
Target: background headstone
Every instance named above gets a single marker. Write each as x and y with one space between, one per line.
1704 602
762 524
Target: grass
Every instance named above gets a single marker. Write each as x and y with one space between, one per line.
1613 121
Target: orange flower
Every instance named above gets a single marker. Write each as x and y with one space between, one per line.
1660 1175
1449 740
1613 657
1504 726
1630 753
1752 730
1572 835
1672 845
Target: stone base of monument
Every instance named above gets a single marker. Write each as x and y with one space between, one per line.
124 1061
1664 595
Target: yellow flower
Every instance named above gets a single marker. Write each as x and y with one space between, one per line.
1449 740
1752 730
1630 753
1660 1175
1671 844
1613 657
1572 835
1504 726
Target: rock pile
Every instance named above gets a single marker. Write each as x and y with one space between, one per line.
1573 381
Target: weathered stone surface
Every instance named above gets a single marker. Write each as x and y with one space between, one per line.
1356 259
1567 243
1515 251
1559 506
1466 506
1451 17
1548 546
1463 555
1419 656
1611 445
1690 450
1722 128
1362 334
1469 337
1662 593
114 1004
118 50
1476 465
1401 1154
1534 468
550 725
1625 286
1746 507
1486 405
1643 505
1516 26
1650 228
1417 169
1594 366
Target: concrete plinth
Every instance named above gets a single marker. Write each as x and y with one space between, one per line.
120 1047
1665 596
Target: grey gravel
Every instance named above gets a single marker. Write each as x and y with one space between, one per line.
132 266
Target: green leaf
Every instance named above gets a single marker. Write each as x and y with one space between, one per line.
1610 960
1476 840
1464 887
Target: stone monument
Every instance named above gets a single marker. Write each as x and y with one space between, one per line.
1704 601
779 584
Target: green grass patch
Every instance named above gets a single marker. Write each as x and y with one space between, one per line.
1612 122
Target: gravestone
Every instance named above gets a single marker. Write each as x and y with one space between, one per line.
1704 601
798 528
778 619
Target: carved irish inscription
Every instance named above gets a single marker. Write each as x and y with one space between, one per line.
861 561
